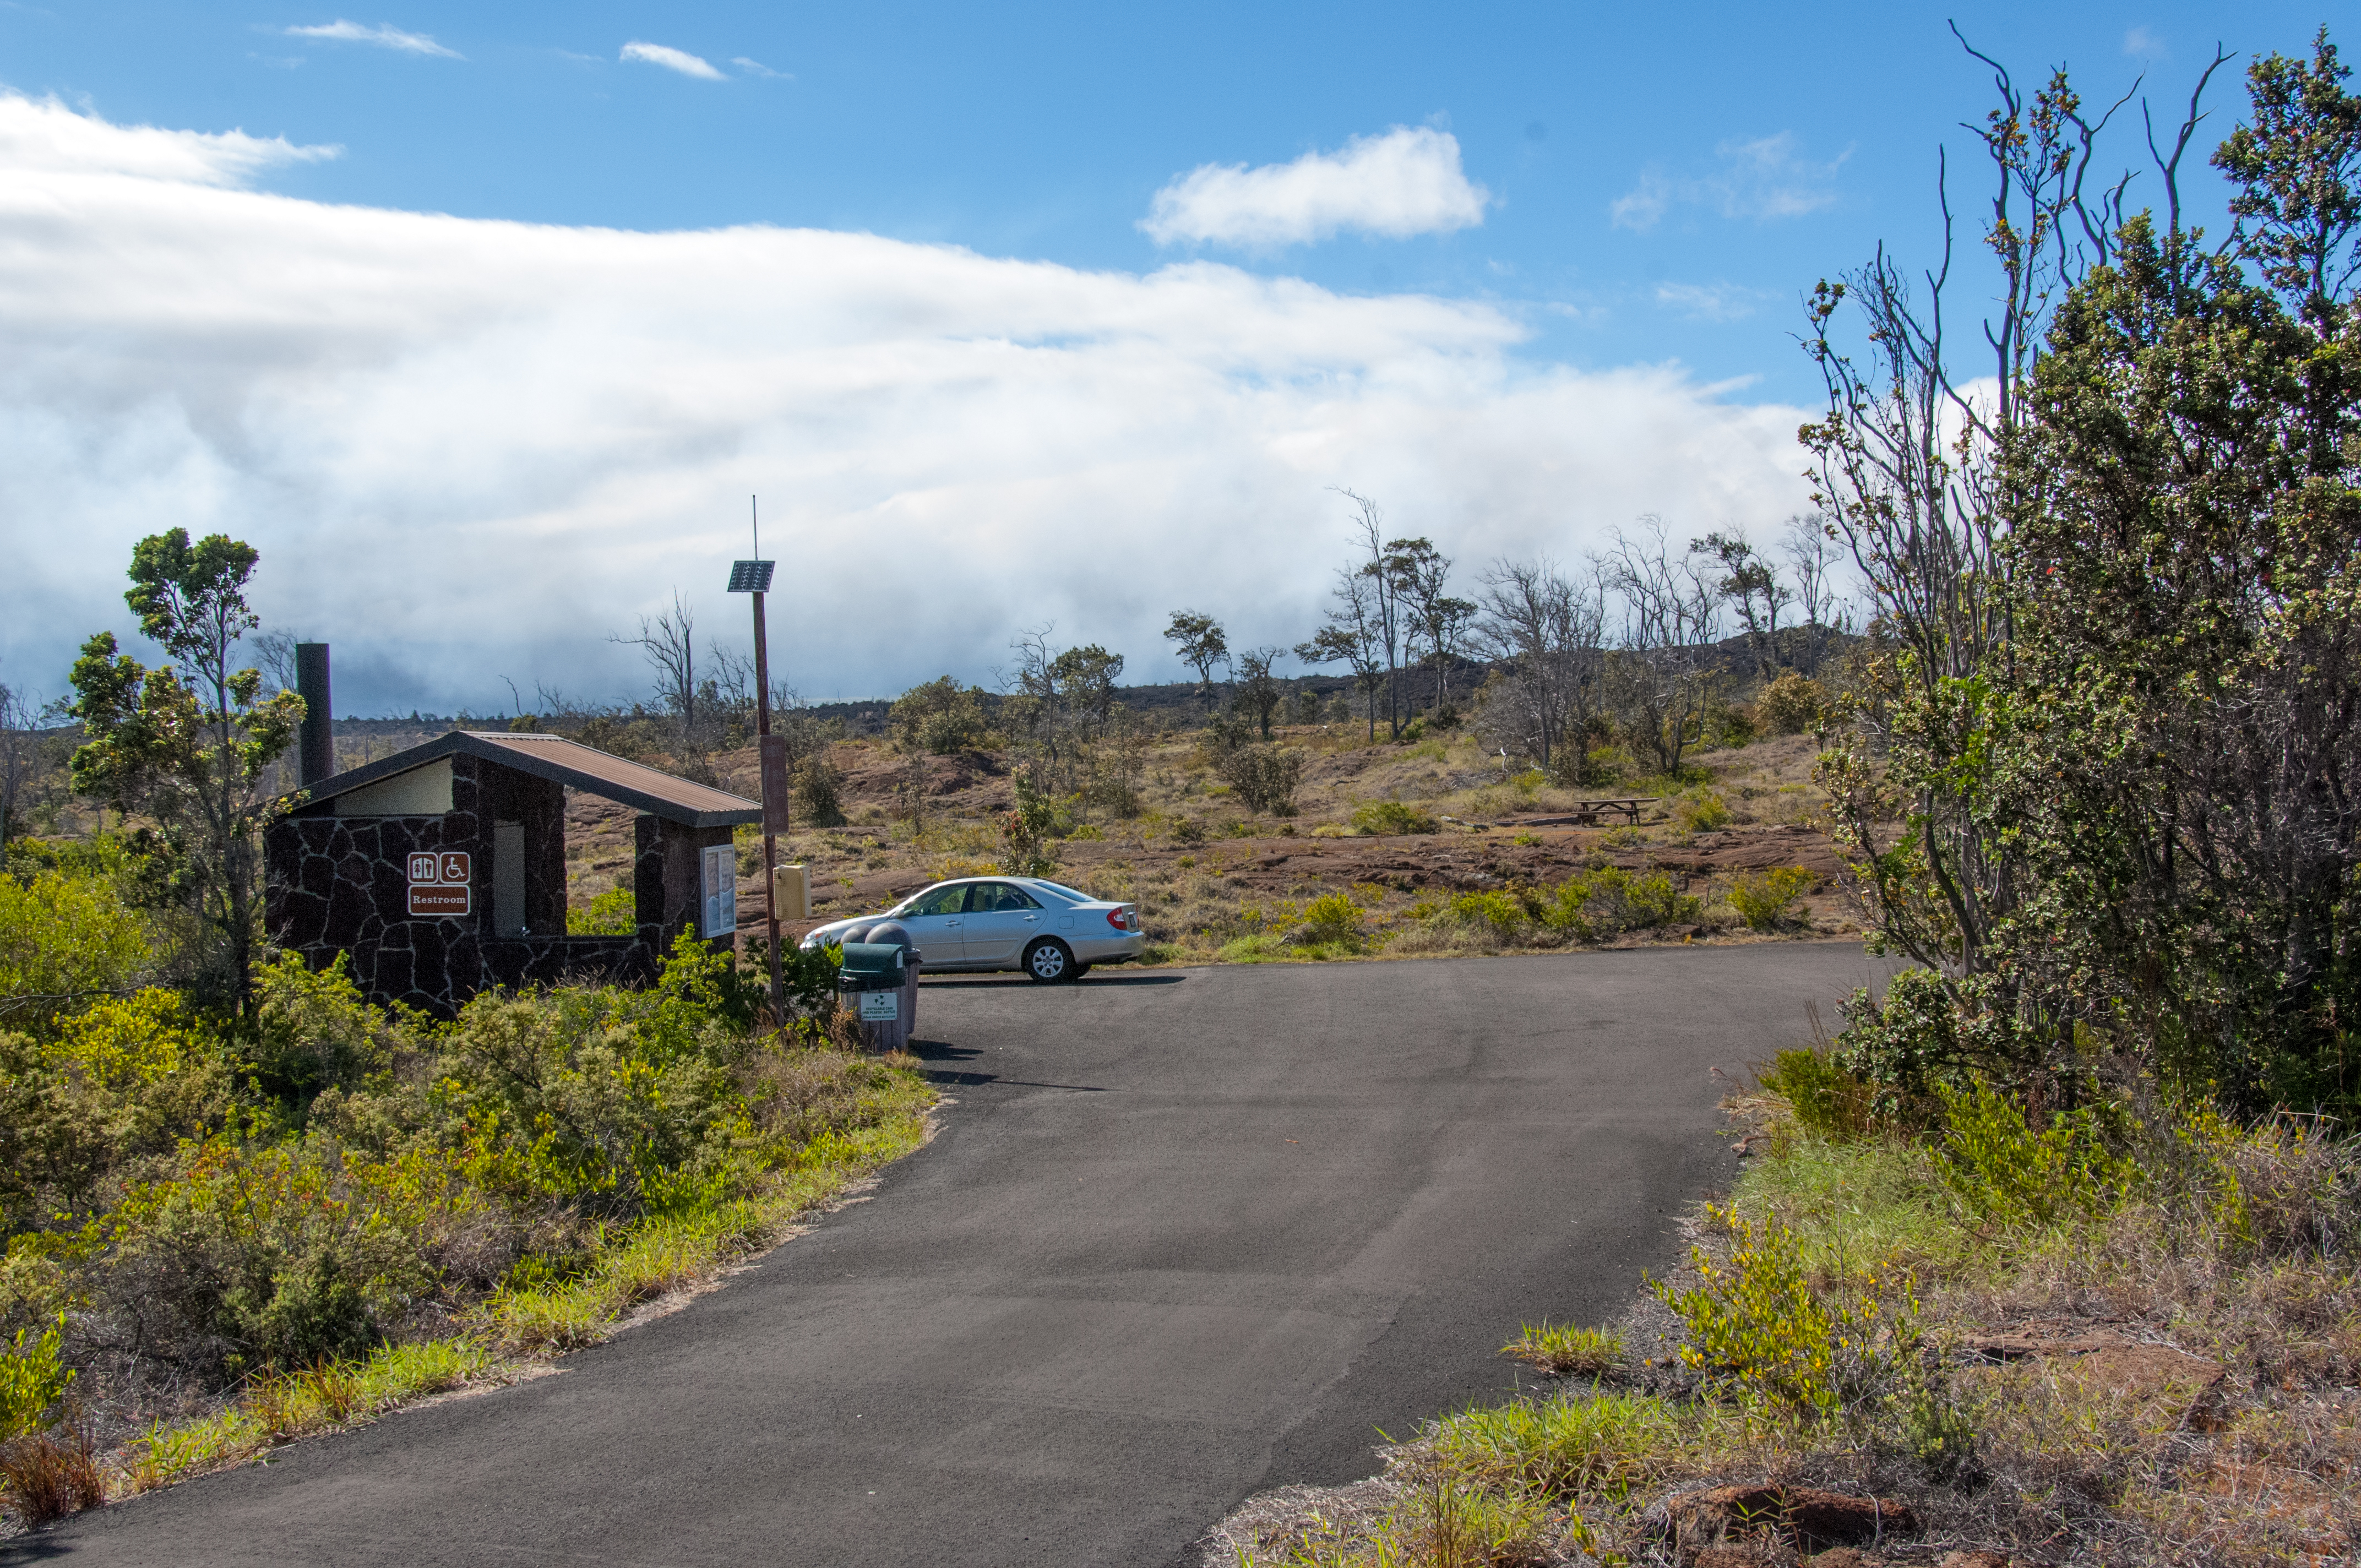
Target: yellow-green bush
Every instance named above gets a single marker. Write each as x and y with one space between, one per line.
1387 818
1700 810
2004 1170
1333 919
33 1382
614 913
1559 1349
1763 899
1792 704
1758 1328
68 937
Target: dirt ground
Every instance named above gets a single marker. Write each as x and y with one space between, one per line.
1205 873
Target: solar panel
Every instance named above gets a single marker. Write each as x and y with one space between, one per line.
751 577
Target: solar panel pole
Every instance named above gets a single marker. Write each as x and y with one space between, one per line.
754 578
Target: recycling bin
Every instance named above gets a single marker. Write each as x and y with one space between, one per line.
879 981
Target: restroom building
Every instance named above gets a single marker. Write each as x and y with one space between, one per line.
441 869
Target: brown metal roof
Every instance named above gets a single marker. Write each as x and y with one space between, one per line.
569 763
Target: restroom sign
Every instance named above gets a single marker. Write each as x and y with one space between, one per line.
439 883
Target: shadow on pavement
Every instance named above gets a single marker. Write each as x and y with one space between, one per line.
988 981
937 1051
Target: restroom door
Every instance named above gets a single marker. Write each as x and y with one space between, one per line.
721 891
507 879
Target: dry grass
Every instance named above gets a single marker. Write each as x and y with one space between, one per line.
2169 1382
1187 858
48 1475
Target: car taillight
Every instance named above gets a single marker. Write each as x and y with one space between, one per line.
1116 919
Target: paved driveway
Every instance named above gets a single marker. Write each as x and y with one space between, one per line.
1184 1235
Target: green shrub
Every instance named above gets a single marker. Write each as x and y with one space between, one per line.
1727 726
1828 1101
1388 819
281 1254
1920 1035
1700 810
2010 1174
614 913
1265 777
818 792
940 718
312 1030
1502 913
1654 900
1763 899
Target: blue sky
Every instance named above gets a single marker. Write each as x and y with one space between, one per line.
1650 187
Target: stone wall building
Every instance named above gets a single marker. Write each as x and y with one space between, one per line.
441 869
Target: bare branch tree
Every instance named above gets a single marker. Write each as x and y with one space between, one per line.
1663 672
1385 617
20 744
668 641
1543 632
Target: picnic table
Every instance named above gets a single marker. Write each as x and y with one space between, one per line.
1585 814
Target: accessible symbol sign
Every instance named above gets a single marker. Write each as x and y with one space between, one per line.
440 880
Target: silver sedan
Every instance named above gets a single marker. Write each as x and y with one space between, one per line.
1045 929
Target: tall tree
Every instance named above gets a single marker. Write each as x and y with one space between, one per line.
1750 585
1434 622
1201 644
1259 689
186 743
2183 758
1350 637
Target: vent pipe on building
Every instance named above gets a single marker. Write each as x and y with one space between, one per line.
317 747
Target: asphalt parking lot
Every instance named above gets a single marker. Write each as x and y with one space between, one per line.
1183 1235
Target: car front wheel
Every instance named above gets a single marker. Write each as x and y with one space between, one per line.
1047 962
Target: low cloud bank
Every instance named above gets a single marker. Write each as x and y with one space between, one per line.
470 449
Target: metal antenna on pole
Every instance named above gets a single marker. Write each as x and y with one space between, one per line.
754 578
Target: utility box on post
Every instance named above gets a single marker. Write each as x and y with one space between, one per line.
791 891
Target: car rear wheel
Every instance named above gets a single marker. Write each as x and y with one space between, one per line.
1048 961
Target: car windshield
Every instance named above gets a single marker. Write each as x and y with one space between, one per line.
1063 891
940 900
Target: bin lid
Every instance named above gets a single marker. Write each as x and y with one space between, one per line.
873 958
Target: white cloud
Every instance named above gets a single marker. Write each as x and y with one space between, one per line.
681 60
756 68
1406 182
1709 301
43 135
382 36
2141 43
1764 178
469 448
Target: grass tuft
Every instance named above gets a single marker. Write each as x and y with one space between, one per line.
1563 1349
